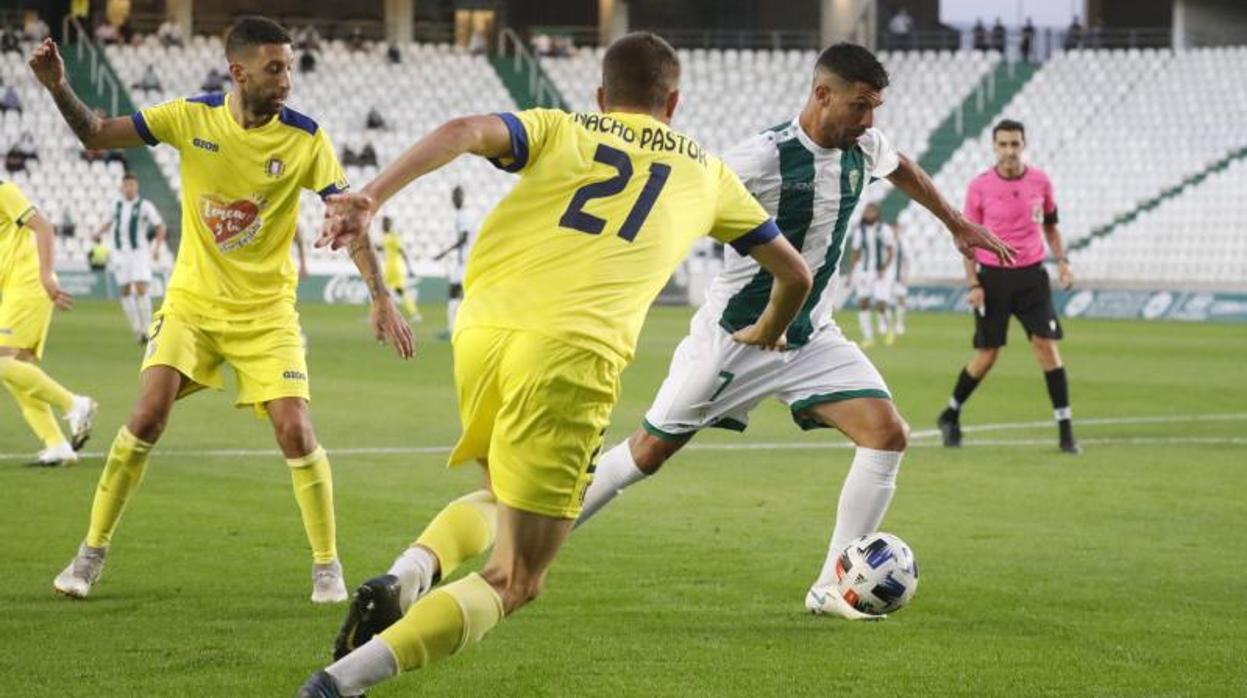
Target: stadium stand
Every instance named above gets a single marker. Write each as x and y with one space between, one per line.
434 82
1099 122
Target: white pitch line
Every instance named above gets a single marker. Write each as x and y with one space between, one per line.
753 446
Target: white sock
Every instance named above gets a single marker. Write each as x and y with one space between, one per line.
452 309
900 319
131 310
414 569
144 303
883 320
864 500
863 321
369 665
616 471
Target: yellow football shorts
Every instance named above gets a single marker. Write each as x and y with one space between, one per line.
266 353
536 409
24 322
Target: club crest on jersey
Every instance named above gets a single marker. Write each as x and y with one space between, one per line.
234 224
274 167
855 181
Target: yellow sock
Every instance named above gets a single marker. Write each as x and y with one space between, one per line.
39 417
313 490
31 380
444 622
463 530
409 305
123 472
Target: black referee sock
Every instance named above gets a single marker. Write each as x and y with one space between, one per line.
961 392
1058 392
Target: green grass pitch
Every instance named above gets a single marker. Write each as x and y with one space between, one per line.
1122 572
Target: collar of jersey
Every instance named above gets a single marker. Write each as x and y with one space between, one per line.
229 116
808 142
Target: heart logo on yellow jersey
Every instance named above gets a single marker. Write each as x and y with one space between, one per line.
227 220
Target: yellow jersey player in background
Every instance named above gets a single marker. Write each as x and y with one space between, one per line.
28 293
557 287
245 156
397 269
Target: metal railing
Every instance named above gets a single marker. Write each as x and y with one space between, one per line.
539 86
102 79
1044 42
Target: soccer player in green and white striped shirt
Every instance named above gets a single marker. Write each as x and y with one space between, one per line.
810 174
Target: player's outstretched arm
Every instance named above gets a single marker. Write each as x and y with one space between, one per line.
93 131
792 284
387 324
348 215
911 179
44 239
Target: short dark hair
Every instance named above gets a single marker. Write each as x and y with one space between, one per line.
855 64
254 30
1008 125
129 175
639 70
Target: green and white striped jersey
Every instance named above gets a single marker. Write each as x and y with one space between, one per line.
811 191
872 241
133 220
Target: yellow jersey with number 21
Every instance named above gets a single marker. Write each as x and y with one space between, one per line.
606 207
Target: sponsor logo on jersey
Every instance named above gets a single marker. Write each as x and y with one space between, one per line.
294 375
855 181
234 224
206 145
274 167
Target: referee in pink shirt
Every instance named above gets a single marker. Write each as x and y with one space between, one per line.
1014 201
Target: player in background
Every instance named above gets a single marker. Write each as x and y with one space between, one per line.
28 293
231 298
1015 200
899 273
557 287
810 174
872 251
465 234
133 221
397 270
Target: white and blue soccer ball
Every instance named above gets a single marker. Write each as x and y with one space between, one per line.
877 573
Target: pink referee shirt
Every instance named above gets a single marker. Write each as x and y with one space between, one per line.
1015 210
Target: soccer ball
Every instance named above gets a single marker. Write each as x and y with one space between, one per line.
877 573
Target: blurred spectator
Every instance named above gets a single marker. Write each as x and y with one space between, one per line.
980 35
214 81
22 150
11 101
1096 35
307 62
901 28
374 119
349 157
125 32
106 34
542 45
1028 40
307 39
150 82
563 47
80 9
476 44
9 41
26 146
368 156
169 33
1073 35
355 41
66 227
998 36
393 55
35 29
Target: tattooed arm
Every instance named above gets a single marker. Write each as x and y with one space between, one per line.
95 132
388 325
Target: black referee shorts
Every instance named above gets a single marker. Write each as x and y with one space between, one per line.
1023 292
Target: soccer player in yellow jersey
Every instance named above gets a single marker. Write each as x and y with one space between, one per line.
28 293
397 266
557 288
245 157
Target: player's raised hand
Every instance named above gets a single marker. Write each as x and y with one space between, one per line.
347 216
969 236
60 297
390 327
47 64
